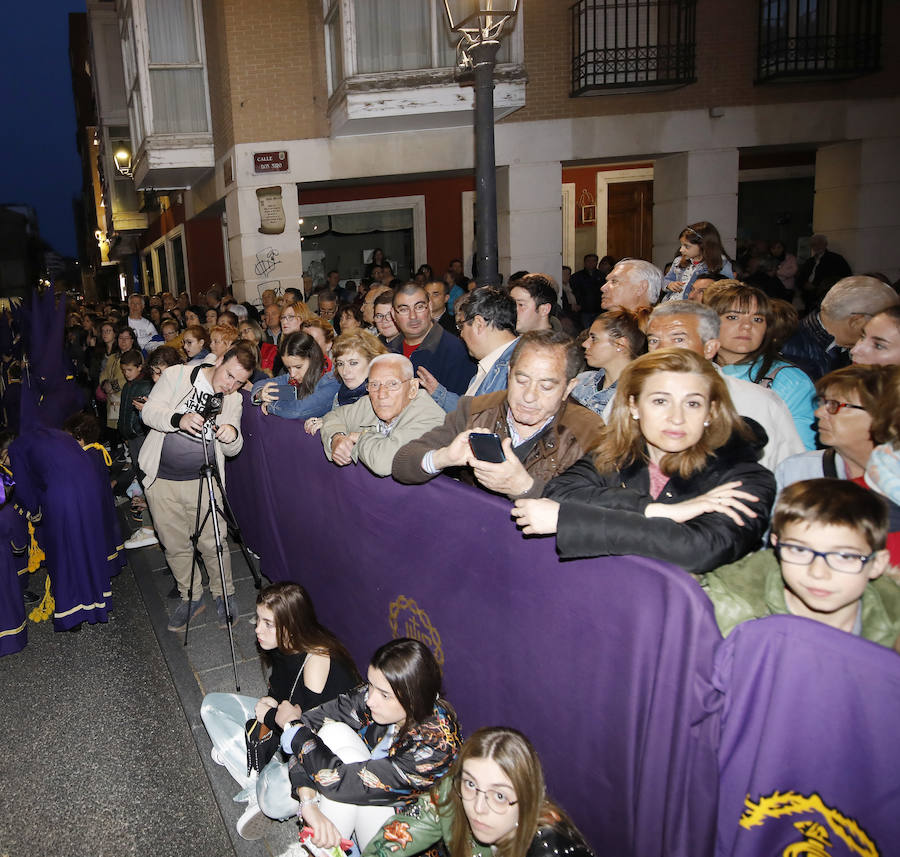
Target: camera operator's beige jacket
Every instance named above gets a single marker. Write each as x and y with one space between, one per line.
172 388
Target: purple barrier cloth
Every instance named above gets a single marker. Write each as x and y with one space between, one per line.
605 664
809 741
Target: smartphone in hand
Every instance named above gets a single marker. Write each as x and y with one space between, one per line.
285 391
487 447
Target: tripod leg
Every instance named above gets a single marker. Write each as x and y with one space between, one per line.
213 513
196 558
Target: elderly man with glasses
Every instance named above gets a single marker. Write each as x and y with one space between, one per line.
427 344
394 412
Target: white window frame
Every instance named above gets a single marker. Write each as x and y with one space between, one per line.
133 14
390 203
568 224
149 257
347 10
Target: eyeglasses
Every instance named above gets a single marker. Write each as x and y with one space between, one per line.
846 562
418 307
381 316
833 405
462 322
391 386
496 801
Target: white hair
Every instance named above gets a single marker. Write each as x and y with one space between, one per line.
649 272
404 363
708 321
858 296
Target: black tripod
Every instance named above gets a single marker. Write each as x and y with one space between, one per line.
209 479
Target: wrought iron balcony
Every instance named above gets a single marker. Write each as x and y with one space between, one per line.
818 39
619 45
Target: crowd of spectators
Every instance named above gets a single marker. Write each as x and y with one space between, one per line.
737 418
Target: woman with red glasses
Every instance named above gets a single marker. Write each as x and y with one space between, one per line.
847 401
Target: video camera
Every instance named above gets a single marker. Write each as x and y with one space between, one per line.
212 407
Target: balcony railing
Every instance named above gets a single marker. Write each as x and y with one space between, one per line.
626 44
818 39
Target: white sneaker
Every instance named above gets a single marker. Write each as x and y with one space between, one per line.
216 756
253 824
142 538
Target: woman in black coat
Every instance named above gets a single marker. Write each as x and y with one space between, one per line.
676 476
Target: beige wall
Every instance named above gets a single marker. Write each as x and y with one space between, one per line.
725 67
266 70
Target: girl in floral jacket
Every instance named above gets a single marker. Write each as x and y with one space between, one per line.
492 805
380 746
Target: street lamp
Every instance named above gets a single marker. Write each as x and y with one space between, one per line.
122 157
480 22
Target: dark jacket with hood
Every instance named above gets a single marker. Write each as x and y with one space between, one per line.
602 514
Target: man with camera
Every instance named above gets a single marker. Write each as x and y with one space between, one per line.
190 406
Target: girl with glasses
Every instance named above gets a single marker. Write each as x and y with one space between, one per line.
492 804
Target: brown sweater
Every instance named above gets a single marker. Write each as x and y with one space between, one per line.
574 431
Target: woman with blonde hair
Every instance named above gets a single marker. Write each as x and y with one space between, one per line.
675 477
493 803
353 351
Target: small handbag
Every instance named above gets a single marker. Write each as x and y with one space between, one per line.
261 741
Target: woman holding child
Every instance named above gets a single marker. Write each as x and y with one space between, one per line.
675 476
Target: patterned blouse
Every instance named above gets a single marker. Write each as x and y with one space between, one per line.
412 765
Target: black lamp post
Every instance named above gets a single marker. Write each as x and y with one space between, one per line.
480 22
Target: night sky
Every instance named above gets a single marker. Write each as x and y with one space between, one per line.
39 162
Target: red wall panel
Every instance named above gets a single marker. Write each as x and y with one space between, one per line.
443 209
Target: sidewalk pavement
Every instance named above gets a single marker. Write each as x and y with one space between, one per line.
204 666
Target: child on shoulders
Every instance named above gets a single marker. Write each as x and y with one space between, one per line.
826 564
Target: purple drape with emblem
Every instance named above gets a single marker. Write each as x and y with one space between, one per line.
810 743
605 664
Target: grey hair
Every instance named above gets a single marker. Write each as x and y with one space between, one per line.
649 272
858 295
239 310
708 322
406 368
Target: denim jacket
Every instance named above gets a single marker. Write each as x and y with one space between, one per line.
316 404
496 379
587 390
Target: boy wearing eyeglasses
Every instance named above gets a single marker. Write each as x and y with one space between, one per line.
826 563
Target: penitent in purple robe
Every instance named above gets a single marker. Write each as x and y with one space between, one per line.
13 533
54 475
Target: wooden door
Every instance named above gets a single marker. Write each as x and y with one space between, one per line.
629 230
